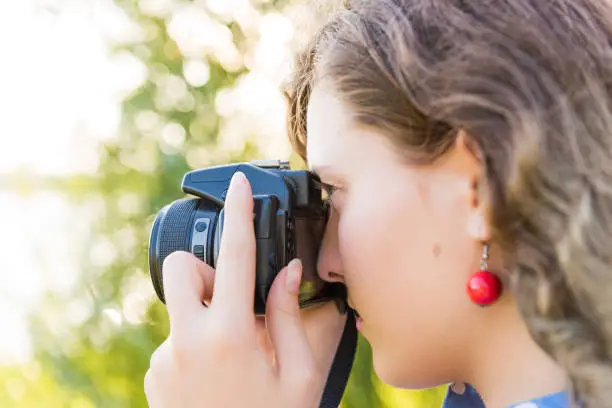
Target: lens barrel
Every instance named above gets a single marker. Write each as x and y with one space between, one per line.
170 233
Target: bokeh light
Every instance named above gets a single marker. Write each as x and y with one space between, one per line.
107 103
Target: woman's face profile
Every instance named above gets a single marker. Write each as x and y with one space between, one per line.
403 239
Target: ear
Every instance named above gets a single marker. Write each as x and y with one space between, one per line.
473 167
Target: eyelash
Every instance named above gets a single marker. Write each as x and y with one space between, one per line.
329 191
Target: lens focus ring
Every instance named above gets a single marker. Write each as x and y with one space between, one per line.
174 230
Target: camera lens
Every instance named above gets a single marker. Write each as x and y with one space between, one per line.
170 233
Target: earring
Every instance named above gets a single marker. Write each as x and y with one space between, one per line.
484 287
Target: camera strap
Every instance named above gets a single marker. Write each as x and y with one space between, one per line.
341 366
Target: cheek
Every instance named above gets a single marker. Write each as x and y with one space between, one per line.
386 244
406 260
404 237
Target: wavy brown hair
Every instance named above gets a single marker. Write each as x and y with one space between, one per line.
530 82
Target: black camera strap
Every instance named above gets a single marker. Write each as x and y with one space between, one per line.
342 365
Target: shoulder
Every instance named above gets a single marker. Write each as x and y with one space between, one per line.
467 397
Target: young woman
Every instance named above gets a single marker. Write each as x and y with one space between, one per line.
467 149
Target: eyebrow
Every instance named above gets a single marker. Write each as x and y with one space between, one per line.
327 170
318 169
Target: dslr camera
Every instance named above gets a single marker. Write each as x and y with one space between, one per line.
289 216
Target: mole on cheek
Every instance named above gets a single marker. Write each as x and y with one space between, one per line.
437 250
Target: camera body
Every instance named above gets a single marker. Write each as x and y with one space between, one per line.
289 218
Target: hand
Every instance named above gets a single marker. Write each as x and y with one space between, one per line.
221 355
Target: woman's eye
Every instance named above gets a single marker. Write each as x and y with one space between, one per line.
328 191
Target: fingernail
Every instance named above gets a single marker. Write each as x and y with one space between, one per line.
237 179
292 280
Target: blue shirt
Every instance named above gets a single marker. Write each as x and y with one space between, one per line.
471 399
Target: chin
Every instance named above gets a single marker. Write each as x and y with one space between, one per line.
399 372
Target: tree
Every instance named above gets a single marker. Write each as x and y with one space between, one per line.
201 102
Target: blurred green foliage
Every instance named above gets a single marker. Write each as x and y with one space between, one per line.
101 361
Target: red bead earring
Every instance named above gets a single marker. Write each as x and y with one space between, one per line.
484 287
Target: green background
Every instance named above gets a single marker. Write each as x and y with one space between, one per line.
101 364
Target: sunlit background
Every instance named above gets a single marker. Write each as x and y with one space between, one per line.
104 105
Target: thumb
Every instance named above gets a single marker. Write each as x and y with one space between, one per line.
284 321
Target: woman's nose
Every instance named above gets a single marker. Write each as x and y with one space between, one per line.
329 264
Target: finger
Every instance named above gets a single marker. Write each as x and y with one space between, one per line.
150 389
148 384
284 322
234 289
263 340
187 281
153 384
155 390
207 274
